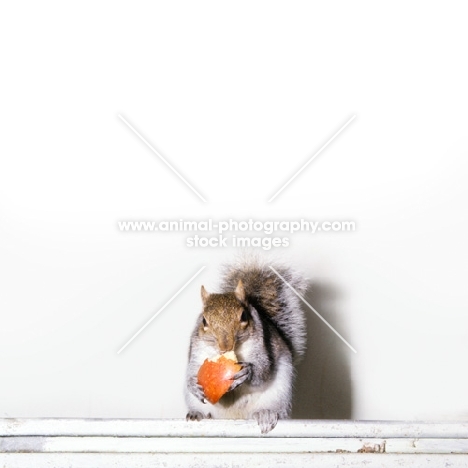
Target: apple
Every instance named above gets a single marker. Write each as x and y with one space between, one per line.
216 375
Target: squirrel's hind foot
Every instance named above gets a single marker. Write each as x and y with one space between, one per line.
197 416
266 419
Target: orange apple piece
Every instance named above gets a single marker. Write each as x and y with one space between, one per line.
215 375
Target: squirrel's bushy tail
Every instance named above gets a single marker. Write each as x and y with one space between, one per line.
269 294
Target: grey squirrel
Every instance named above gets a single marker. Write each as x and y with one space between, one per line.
260 318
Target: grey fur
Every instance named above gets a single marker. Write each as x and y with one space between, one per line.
260 282
274 339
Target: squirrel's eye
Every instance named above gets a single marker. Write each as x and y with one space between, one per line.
244 316
205 324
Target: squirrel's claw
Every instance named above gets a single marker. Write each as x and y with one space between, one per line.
266 419
195 416
197 390
242 376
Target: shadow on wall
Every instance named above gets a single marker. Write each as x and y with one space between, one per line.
323 386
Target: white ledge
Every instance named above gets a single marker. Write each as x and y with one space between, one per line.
138 443
229 428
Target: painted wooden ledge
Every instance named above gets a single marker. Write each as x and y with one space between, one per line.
133 443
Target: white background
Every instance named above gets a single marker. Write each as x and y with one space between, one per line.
237 96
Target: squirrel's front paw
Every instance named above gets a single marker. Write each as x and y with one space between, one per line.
242 376
196 389
266 419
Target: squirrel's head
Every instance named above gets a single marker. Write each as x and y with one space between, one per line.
226 318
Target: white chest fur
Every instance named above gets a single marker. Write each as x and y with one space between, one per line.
274 395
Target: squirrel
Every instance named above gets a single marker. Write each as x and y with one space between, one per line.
258 316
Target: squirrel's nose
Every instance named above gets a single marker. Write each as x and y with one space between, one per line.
226 345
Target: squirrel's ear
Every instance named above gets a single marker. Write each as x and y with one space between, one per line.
240 291
204 294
